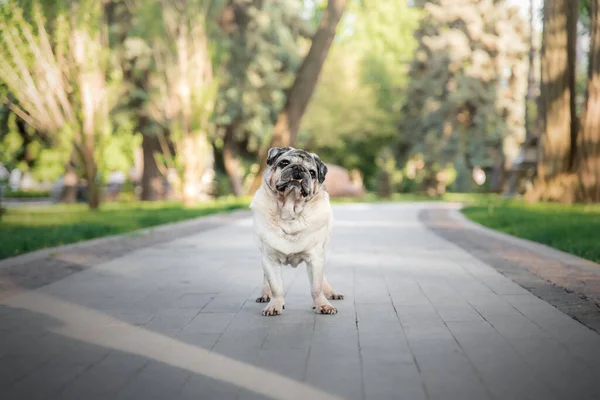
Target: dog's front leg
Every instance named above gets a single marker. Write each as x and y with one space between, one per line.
315 265
330 292
265 294
272 270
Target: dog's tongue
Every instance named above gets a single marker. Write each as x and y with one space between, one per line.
290 198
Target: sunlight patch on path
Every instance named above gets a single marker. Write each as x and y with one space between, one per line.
92 327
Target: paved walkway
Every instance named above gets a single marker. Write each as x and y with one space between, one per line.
422 319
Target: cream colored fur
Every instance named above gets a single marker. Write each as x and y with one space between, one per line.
290 232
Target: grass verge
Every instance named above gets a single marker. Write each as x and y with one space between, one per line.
26 194
570 228
32 228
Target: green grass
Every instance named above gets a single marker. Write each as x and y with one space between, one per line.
571 228
32 228
26 194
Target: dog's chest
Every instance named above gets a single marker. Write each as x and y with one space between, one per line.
301 235
291 229
292 238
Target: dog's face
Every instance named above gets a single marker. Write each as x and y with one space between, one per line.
294 171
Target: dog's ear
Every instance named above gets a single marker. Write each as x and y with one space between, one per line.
321 168
275 153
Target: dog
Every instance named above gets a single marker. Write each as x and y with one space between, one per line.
292 223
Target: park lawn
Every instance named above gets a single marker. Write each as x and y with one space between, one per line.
26 194
571 228
35 227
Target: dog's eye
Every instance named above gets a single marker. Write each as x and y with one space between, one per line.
284 163
313 174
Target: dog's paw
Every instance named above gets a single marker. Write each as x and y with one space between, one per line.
263 299
274 307
335 296
326 309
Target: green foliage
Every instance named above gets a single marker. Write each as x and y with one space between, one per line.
11 145
467 81
384 35
50 165
23 148
455 108
165 52
118 152
54 63
26 194
354 111
261 53
585 11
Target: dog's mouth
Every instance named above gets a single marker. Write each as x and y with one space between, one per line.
292 184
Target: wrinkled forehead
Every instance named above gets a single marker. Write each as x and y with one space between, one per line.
298 156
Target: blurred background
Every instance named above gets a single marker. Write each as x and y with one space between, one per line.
108 103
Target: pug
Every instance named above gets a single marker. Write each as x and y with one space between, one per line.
292 223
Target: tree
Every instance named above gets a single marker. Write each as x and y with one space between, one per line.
131 26
165 55
555 180
260 55
353 114
530 96
286 127
183 95
464 105
588 141
343 122
60 81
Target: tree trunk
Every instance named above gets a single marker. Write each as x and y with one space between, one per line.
530 96
93 194
498 176
151 177
206 166
197 160
557 100
190 182
572 20
285 131
68 193
91 170
232 162
588 152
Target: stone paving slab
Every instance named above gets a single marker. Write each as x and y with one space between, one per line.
42 267
569 283
422 319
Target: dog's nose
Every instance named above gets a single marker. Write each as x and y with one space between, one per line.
296 172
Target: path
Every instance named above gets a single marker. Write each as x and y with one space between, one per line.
422 319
